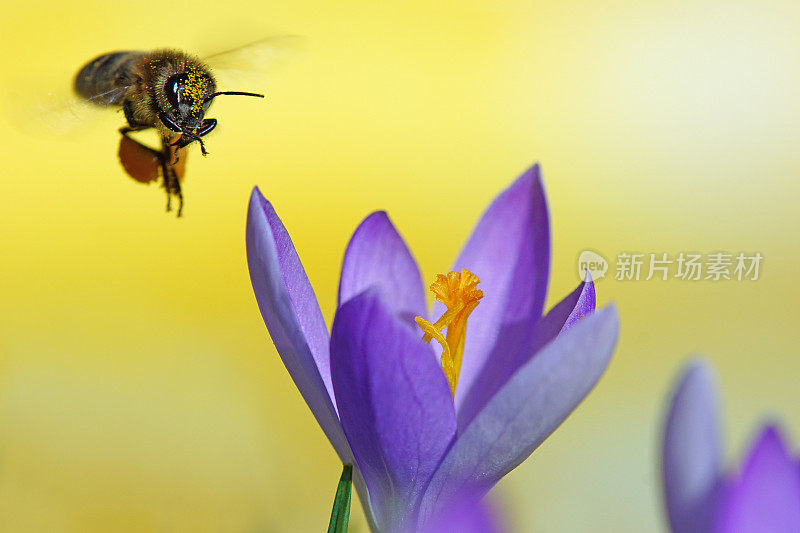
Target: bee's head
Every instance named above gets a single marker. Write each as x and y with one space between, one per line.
189 95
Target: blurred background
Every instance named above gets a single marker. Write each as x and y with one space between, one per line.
139 390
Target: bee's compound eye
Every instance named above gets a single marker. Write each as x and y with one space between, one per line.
174 89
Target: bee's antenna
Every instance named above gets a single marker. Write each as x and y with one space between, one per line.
212 96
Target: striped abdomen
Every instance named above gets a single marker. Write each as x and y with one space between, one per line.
103 79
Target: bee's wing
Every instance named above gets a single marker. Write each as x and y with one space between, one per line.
60 114
111 97
248 67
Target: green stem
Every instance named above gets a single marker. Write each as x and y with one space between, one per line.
340 514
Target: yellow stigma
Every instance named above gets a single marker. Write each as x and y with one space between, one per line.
459 292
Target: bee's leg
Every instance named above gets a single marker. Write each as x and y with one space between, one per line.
166 183
179 194
165 175
125 130
189 138
173 188
133 124
171 182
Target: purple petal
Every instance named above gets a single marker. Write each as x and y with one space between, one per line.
580 304
526 410
464 515
509 251
767 495
292 315
377 256
394 403
517 343
692 451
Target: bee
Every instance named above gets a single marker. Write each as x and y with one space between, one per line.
167 90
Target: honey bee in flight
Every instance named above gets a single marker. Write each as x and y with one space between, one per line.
169 91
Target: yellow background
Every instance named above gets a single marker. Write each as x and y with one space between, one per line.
138 387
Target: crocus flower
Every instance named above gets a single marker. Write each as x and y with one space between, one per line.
464 515
762 497
421 435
